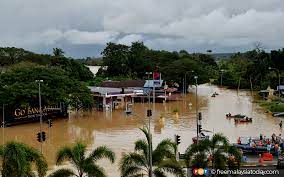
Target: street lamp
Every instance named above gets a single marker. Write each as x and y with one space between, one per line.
40 112
3 117
196 106
185 82
278 72
222 71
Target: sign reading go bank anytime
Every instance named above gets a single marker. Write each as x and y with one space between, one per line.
30 112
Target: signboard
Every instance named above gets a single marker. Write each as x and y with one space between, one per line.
19 115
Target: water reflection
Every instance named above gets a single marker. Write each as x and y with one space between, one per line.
119 131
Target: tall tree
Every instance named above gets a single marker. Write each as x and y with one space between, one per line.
84 165
58 52
115 57
18 158
163 159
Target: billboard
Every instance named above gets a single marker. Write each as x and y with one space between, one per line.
19 115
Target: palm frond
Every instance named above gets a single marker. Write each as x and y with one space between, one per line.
147 135
219 139
133 171
65 153
38 159
199 161
171 166
103 152
165 149
78 153
94 170
141 145
131 160
64 172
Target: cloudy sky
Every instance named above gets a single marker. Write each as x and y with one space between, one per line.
83 27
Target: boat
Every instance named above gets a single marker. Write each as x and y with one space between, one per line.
278 114
253 146
243 120
237 116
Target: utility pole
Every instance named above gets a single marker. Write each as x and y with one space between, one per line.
3 122
40 112
279 80
149 114
196 107
222 77
154 91
185 89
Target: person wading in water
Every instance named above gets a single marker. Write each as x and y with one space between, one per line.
280 124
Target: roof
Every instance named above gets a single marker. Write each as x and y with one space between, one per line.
281 87
150 83
110 92
123 84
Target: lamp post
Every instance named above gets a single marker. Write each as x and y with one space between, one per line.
222 71
279 79
196 106
40 112
3 117
185 82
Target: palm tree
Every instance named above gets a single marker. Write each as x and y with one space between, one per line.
58 52
17 159
84 165
215 152
164 161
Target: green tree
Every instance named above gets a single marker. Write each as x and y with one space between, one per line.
84 165
12 55
57 52
215 152
18 158
163 159
21 89
115 57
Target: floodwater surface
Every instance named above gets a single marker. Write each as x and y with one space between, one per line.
119 132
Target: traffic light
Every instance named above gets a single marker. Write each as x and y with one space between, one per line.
199 128
199 116
177 139
49 121
38 137
41 136
149 113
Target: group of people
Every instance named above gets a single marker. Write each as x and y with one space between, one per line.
276 143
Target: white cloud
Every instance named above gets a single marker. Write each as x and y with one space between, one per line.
128 39
219 24
83 37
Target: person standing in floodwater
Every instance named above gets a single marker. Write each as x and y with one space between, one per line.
280 124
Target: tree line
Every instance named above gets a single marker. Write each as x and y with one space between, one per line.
20 160
250 70
135 60
64 79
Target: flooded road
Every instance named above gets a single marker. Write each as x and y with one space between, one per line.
119 132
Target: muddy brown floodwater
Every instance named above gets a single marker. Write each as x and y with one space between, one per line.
119 132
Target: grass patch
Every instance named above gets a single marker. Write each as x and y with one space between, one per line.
273 106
